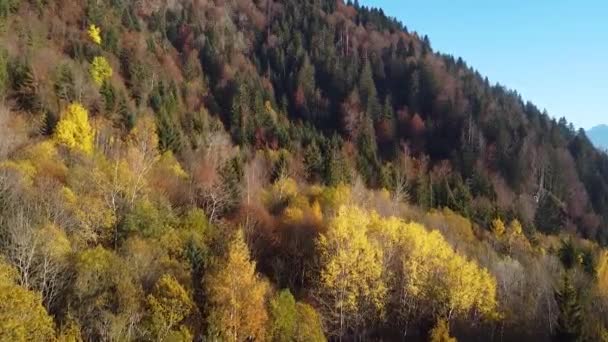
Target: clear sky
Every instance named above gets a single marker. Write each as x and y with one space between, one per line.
553 52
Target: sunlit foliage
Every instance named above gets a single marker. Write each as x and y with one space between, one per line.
94 33
237 296
74 130
100 70
22 316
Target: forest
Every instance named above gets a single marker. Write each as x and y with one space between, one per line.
282 170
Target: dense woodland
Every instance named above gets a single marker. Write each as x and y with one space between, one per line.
281 170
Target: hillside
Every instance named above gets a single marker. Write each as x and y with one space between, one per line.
599 136
286 171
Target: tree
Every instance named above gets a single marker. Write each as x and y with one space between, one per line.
308 327
570 318
441 332
351 289
236 296
431 279
22 316
100 70
368 92
283 317
169 304
74 130
293 321
498 228
94 33
568 254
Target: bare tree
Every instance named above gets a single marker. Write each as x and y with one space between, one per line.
12 132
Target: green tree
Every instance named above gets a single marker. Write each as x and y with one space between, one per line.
368 92
570 318
308 327
169 304
283 317
100 70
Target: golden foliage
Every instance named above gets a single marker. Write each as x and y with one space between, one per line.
237 296
22 316
498 228
283 190
440 277
94 33
169 304
100 70
351 282
441 332
602 274
74 130
40 159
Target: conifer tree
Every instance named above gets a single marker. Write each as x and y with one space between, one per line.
570 318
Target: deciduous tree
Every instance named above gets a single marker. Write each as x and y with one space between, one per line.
237 296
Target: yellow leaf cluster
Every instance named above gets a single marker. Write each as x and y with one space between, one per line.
441 332
334 197
100 70
22 316
283 190
351 279
38 159
602 274
169 304
270 110
237 297
359 246
94 33
74 130
293 214
515 228
440 276
168 162
498 227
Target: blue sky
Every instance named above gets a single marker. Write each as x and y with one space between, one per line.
553 52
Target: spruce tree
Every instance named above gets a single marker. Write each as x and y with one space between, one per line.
570 320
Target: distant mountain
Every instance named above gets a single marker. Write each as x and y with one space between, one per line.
599 136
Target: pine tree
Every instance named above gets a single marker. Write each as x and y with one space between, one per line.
368 92
570 320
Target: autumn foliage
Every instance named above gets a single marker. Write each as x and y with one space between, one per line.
281 171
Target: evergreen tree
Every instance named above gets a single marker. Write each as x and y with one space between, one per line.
549 217
368 92
570 320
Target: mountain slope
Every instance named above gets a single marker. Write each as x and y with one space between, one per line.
599 136
281 170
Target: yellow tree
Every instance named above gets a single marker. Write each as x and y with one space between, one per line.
169 304
308 325
100 70
237 296
602 274
441 280
74 130
351 287
22 316
441 332
94 33
498 227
